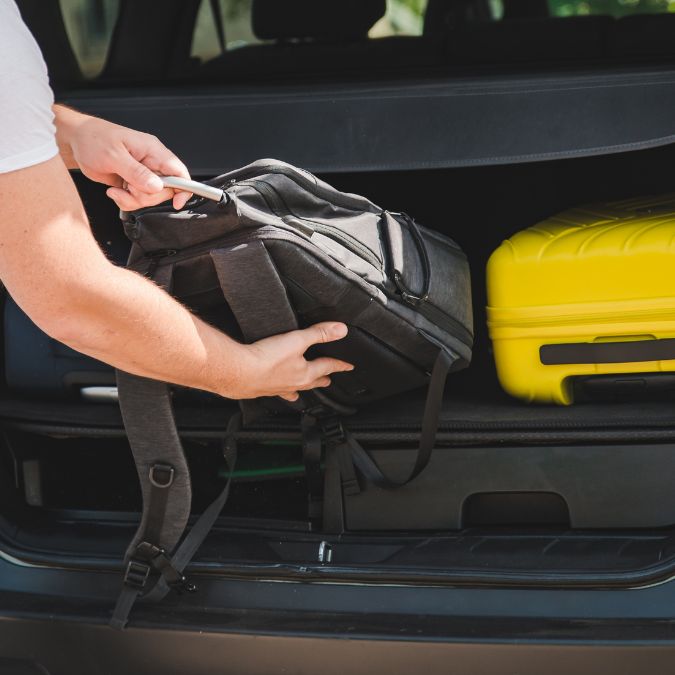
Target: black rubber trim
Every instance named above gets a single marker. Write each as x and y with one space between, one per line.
607 352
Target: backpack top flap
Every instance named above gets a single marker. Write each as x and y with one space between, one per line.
160 228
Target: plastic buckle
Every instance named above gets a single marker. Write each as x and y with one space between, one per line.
156 479
351 487
147 551
332 430
137 574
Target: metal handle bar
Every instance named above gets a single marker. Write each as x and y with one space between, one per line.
201 189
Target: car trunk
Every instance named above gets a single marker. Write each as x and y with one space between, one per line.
515 494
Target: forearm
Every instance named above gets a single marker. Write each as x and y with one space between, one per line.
125 320
56 272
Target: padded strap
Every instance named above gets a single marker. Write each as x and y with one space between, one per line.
165 485
432 410
257 297
254 291
148 419
164 477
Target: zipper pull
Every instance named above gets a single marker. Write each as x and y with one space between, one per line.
407 295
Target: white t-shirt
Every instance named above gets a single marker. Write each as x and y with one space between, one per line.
27 133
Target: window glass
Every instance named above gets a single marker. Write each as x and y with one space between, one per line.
496 9
616 8
403 17
90 24
236 18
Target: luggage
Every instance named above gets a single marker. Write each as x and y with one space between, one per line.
588 293
279 249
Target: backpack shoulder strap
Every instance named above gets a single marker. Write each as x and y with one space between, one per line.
164 478
254 290
165 486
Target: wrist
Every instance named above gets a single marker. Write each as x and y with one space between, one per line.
229 376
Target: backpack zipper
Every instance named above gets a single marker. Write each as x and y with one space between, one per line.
277 204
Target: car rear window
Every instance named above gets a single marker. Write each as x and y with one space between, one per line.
615 8
127 43
403 17
89 25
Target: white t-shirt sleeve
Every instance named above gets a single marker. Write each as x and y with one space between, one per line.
27 132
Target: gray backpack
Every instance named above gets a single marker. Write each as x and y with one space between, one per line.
269 249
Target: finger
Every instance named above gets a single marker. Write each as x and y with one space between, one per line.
150 200
166 163
156 156
327 331
319 383
123 199
290 397
110 179
131 202
325 366
138 175
180 199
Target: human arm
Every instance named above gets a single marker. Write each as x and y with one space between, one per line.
56 272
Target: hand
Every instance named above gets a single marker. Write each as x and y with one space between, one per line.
122 158
276 366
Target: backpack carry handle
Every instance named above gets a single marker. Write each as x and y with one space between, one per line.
201 189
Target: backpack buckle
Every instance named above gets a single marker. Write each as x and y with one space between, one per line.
332 430
137 574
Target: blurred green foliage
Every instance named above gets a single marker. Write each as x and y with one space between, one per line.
416 6
615 8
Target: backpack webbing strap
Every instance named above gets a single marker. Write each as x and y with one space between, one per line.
206 521
312 447
365 464
148 560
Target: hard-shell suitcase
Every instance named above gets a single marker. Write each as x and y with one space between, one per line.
588 293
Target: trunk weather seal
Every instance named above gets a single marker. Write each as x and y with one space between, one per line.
651 575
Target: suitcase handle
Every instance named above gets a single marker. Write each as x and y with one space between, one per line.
201 189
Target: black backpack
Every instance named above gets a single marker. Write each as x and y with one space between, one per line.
273 249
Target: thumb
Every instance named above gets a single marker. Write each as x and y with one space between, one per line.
139 176
327 331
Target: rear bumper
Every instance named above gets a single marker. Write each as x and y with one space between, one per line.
58 620
75 648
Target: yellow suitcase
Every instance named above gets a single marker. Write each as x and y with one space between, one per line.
590 291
